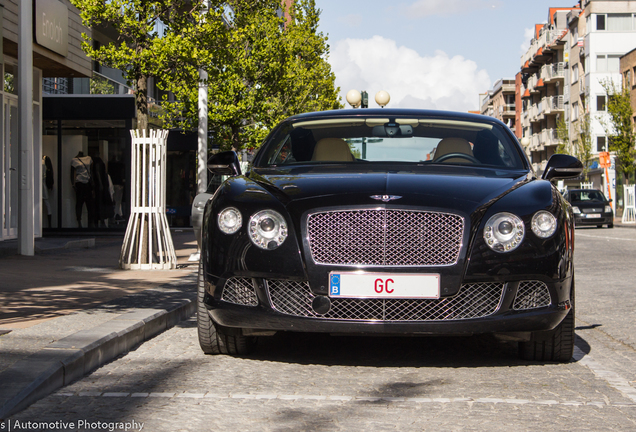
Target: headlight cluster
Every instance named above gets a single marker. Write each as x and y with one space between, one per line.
267 229
504 232
608 209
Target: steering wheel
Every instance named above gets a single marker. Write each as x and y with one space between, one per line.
447 156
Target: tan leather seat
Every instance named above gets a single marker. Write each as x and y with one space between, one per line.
332 149
453 145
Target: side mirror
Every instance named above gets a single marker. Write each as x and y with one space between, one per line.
562 166
225 163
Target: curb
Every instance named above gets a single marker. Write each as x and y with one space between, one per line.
75 356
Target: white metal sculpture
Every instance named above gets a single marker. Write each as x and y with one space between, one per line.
148 243
629 214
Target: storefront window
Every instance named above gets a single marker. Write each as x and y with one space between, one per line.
91 164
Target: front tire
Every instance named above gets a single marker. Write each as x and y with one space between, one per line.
213 338
553 345
208 337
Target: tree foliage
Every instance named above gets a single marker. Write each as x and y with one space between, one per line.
619 127
583 143
563 135
153 35
267 68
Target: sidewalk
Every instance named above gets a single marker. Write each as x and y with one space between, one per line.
70 309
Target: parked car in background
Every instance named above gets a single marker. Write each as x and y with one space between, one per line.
590 207
389 222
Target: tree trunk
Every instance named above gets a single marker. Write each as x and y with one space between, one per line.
141 100
236 143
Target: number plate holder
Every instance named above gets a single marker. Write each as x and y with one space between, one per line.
384 285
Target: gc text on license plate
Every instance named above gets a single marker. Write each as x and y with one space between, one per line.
383 285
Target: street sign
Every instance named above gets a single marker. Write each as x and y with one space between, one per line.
604 159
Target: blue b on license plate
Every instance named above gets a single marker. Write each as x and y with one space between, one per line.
383 285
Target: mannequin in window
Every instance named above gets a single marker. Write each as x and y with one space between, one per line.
82 179
117 173
104 207
47 185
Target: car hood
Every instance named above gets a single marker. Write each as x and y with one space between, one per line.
457 188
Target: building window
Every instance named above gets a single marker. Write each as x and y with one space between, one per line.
608 63
600 103
600 22
618 22
613 63
575 73
575 111
600 144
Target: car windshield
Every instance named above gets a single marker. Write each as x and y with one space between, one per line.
587 195
410 140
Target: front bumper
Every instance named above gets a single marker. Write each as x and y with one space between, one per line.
582 220
485 307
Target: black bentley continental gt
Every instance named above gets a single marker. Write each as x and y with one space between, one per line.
389 222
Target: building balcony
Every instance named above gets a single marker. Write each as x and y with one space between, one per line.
539 167
550 137
553 72
552 104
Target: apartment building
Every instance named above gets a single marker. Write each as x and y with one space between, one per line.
499 102
628 72
542 88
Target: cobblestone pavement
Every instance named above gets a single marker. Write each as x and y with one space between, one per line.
308 382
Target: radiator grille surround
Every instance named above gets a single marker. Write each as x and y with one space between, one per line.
385 237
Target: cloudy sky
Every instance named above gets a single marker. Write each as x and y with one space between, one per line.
437 54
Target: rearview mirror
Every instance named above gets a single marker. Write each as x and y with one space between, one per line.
393 130
562 166
225 163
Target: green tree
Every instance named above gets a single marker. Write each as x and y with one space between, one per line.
619 129
153 35
563 135
583 143
101 86
267 68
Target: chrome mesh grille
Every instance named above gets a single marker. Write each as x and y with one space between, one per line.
532 295
380 237
239 291
473 301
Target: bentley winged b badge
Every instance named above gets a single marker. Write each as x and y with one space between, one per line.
385 198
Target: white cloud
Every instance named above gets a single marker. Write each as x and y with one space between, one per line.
423 8
528 34
413 81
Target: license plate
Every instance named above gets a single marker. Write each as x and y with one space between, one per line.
593 215
383 285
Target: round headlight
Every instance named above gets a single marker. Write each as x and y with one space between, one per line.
267 229
544 224
230 220
504 232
